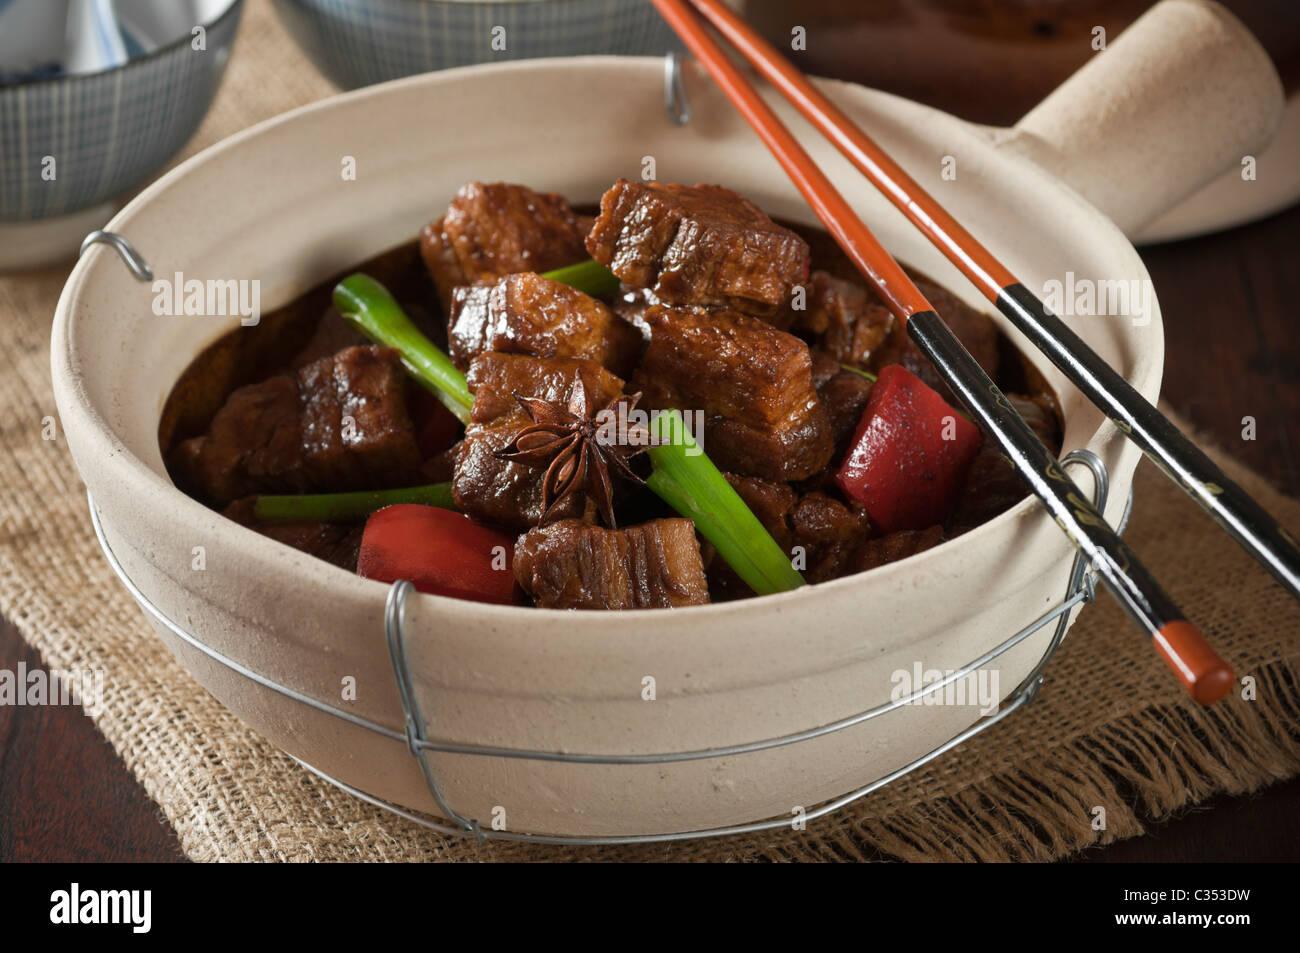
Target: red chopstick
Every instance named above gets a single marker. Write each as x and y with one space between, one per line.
1206 676
974 260
1234 509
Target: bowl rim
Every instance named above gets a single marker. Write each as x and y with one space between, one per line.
164 50
132 468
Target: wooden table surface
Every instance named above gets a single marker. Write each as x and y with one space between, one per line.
1229 303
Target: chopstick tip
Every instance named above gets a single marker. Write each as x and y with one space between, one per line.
1207 677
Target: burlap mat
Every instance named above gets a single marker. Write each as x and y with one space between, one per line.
1110 728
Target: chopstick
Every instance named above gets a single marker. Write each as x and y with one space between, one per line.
1185 463
1206 676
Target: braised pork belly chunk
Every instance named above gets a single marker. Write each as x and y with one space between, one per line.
853 326
341 423
528 314
891 548
494 378
844 395
358 432
825 536
502 492
819 531
753 383
254 444
697 245
573 565
852 323
830 531
992 485
497 229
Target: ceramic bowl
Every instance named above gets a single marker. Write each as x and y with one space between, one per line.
575 682
359 42
70 145
109 130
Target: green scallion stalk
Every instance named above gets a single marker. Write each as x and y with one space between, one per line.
590 277
348 507
860 372
369 307
688 481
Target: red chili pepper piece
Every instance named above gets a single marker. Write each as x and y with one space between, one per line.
440 552
909 455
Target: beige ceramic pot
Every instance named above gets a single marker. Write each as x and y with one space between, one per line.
270 204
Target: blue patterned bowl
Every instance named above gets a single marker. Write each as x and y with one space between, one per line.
71 142
359 42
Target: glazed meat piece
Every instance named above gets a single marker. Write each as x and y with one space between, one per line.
528 314
183 465
826 530
493 378
834 536
853 323
336 543
893 547
829 532
572 565
502 492
753 383
770 502
253 445
326 459
341 424
856 328
356 403
697 245
844 394
497 229
992 484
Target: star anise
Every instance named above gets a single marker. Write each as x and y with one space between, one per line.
578 449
